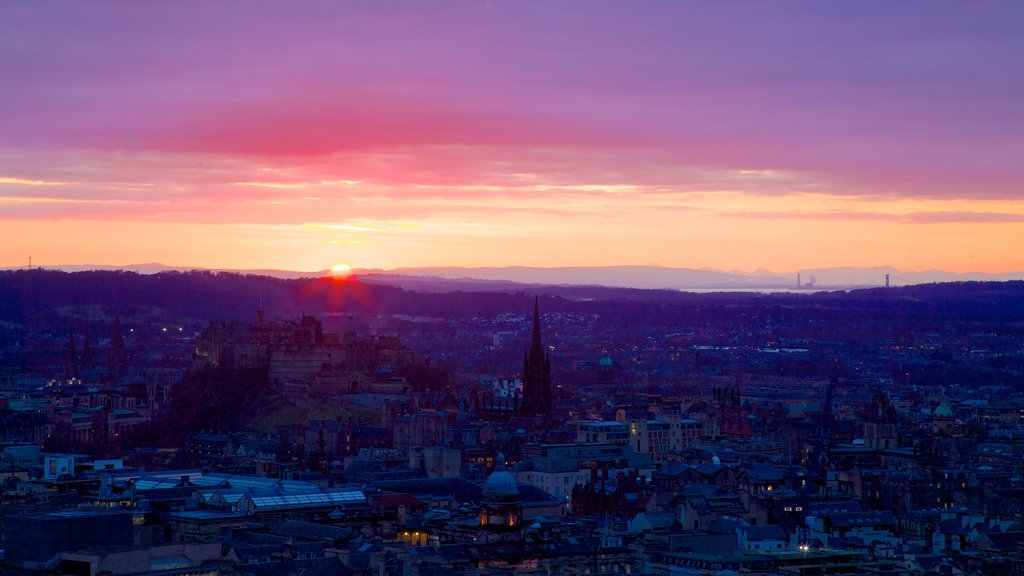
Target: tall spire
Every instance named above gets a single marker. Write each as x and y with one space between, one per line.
118 354
536 347
536 372
87 359
71 359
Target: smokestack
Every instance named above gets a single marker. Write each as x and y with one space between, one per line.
887 280
797 279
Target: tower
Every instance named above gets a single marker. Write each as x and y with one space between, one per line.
71 359
118 356
880 423
86 359
536 372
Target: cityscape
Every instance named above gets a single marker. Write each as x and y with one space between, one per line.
488 288
537 430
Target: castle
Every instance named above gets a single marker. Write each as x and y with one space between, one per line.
296 352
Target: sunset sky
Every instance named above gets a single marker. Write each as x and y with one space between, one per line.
729 135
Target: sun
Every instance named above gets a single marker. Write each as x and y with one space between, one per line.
341 270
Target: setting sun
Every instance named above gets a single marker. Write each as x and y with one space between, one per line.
341 270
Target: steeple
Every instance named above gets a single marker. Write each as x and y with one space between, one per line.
118 356
536 373
86 361
71 359
536 347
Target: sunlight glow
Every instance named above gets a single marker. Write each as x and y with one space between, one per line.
341 270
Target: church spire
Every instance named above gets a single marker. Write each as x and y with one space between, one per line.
536 347
87 359
118 354
71 359
536 372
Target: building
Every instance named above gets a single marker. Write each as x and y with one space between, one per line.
650 437
558 468
536 400
501 513
537 373
608 432
35 541
880 423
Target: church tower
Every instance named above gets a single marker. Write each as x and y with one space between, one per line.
118 355
536 373
70 359
87 359
880 423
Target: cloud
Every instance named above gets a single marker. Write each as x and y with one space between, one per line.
954 217
884 100
516 121
299 185
29 182
947 217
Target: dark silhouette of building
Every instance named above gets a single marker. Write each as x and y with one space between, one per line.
731 413
624 495
86 359
880 423
71 359
536 397
36 539
118 355
536 373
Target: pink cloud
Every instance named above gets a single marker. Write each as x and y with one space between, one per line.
157 111
892 99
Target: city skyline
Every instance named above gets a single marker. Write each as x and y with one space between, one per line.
726 136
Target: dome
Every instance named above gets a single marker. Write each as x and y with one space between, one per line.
943 411
500 482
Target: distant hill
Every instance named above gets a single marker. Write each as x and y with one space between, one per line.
440 279
51 300
156 268
875 276
657 277
645 277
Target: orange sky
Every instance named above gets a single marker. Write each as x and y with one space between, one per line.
747 232
504 133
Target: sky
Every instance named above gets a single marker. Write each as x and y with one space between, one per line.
724 135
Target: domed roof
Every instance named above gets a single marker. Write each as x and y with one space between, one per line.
500 482
943 411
